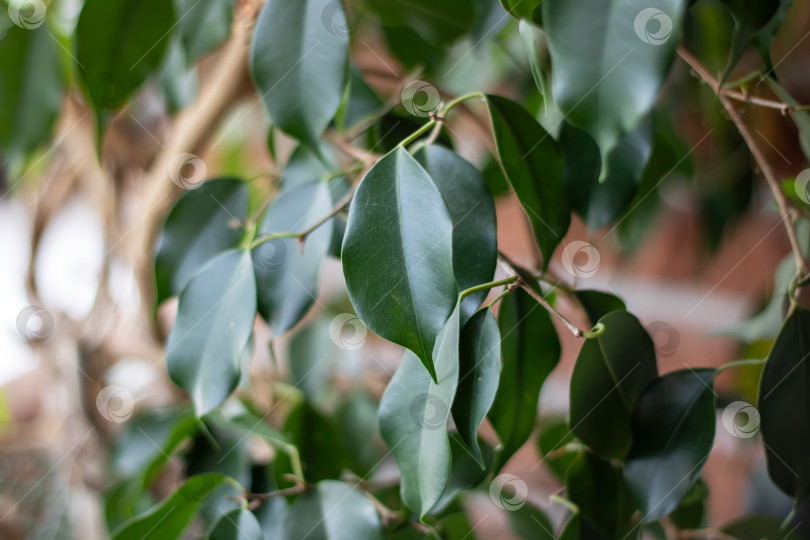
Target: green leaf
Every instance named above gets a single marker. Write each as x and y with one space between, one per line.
465 472
691 512
178 83
758 528
673 432
610 58
119 44
750 16
31 83
362 103
356 420
199 227
413 418
533 166
315 436
238 524
596 487
440 23
203 25
287 276
398 256
530 350
763 38
214 323
600 203
611 372
472 211
479 370
236 418
170 518
521 9
598 304
785 421
801 118
332 511
533 39
530 523
553 436
300 65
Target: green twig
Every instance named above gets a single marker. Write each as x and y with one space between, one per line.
486 286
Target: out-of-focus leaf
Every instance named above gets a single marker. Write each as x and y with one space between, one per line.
239 524
801 118
597 304
750 17
203 25
440 23
758 528
552 438
596 487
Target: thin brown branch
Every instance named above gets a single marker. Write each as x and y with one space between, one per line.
759 157
784 108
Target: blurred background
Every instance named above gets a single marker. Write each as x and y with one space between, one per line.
697 260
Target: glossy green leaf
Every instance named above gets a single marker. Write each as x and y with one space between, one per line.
611 372
785 422
398 255
533 165
413 418
300 64
478 372
598 303
628 45
472 211
119 44
758 528
203 25
530 349
552 438
214 322
31 84
199 227
439 23
530 523
601 203
238 524
332 511
170 518
287 276
673 433
750 16
596 487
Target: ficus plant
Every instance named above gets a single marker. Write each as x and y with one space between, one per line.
567 106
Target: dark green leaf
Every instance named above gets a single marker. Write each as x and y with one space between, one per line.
214 323
800 117
356 418
610 58
413 418
762 39
119 43
203 25
300 64
439 23
31 84
315 436
530 523
596 487
178 83
312 358
691 512
598 304
304 166
465 472
287 276
758 528
472 211
332 511
238 524
673 432
533 166
750 16
479 369
200 226
170 518
601 203
785 421
521 9
362 104
611 372
553 436
530 350
398 255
